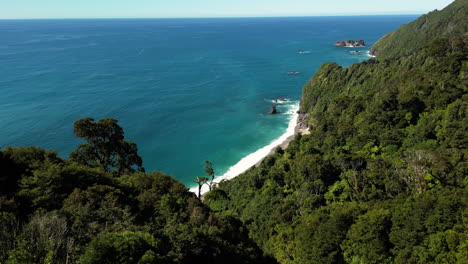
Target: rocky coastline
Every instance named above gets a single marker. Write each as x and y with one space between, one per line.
302 127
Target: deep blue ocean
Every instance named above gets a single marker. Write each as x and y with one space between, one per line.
185 90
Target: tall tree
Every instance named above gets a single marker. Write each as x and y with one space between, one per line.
106 147
210 173
200 181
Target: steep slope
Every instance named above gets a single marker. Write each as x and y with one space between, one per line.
451 21
382 176
434 65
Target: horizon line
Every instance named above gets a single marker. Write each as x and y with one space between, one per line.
213 17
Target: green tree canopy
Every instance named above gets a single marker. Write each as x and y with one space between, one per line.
106 147
125 248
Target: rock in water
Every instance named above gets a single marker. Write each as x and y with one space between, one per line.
293 72
273 110
350 43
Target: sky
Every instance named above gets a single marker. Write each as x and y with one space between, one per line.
25 9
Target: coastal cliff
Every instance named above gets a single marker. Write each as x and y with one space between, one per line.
374 172
449 22
383 163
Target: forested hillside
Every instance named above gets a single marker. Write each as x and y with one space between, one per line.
449 22
382 176
101 207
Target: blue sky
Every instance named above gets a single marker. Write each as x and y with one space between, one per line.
209 8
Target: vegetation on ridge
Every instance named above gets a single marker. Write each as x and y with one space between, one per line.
97 207
382 176
449 22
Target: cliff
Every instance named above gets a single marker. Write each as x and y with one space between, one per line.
381 176
369 77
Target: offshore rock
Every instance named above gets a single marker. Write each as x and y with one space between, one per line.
350 43
273 110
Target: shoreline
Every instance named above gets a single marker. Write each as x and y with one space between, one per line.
300 127
295 126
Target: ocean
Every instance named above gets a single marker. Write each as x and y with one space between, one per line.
184 90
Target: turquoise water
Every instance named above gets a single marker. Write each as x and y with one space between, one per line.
185 90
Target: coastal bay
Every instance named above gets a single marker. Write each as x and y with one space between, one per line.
181 104
365 162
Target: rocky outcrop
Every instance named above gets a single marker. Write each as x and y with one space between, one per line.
350 43
302 125
303 120
273 110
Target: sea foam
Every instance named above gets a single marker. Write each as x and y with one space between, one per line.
250 160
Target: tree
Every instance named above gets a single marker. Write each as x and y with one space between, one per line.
47 188
159 196
367 240
124 247
19 162
210 173
9 230
414 176
43 240
98 209
106 147
200 181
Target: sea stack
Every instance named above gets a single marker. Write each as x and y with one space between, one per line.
273 110
350 43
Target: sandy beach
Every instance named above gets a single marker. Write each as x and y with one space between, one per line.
297 124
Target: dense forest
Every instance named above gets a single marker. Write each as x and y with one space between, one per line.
101 207
381 178
449 22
